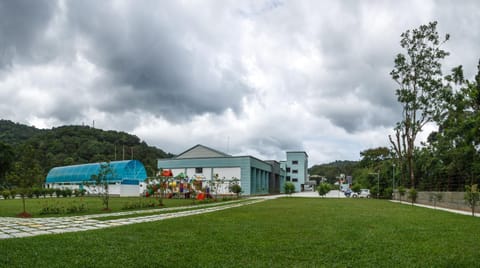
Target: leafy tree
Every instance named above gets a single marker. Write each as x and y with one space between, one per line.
412 194
25 174
372 157
323 189
356 188
421 88
472 196
6 161
289 188
236 189
101 179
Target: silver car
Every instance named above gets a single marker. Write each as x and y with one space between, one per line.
365 193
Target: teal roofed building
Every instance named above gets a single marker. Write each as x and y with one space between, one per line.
201 163
125 181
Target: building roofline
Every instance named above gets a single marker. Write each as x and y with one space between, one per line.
297 152
198 145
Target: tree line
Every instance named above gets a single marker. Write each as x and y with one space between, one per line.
449 160
27 154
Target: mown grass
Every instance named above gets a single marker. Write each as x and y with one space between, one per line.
94 205
287 232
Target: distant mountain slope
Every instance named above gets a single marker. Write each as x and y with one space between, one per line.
14 133
68 145
334 169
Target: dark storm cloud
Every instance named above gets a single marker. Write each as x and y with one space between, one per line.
22 24
149 50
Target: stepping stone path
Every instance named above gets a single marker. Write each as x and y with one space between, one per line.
11 227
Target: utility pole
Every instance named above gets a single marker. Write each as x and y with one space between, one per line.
393 176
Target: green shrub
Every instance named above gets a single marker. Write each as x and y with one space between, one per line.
472 196
58 192
323 188
236 189
36 192
13 193
289 188
6 194
412 195
356 188
50 191
68 192
54 207
388 193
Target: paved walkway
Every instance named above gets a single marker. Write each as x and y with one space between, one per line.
11 227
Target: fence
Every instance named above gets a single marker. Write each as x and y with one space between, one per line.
452 200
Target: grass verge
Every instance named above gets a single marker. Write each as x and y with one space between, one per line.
287 232
11 207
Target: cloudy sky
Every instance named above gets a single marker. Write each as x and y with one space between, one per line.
244 77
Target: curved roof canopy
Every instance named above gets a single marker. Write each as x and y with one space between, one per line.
127 171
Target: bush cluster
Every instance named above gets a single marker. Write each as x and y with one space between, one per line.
141 203
37 192
57 208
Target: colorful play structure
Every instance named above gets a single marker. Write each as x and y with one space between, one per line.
181 186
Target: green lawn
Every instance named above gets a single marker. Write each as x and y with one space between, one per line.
94 205
287 232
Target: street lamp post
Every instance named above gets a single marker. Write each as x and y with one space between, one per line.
393 176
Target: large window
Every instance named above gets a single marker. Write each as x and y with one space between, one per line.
295 162
198 170
294 171
288 178
287 169
294 179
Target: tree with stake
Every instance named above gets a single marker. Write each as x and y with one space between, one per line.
24 174
101 179
472 196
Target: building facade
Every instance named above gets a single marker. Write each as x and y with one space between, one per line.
125 179
296 169
255 176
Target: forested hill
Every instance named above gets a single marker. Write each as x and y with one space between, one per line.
334 169
69 145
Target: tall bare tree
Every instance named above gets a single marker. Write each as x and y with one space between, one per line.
420 88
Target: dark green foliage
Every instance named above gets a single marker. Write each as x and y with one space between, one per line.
472 196
236 189
323 188
356 188
5 194
289 188
52 207
332 170
401 191
7 157
68 145
412 195
387 193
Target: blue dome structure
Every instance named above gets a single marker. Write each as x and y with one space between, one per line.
124 172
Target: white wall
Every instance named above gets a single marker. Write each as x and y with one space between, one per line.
129 190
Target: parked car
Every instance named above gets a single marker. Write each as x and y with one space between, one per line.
364 193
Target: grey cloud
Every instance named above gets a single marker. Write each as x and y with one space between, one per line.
149 53
22 29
